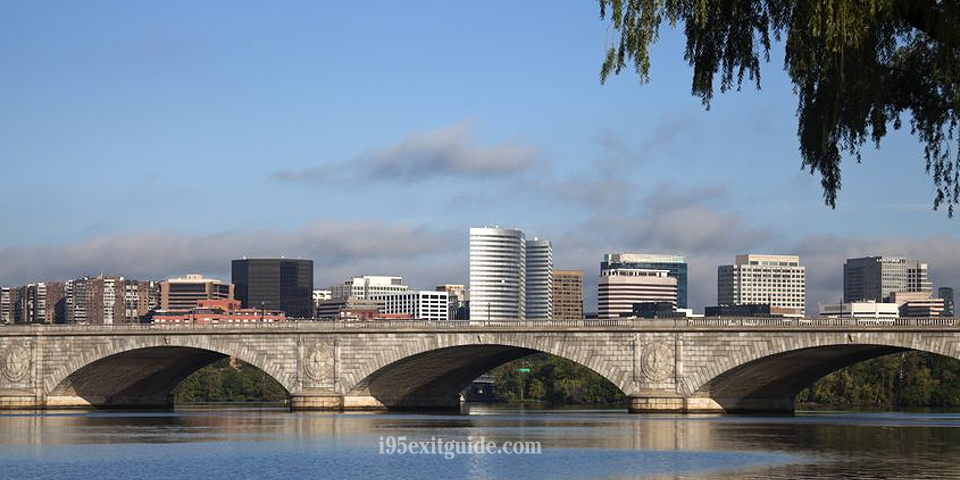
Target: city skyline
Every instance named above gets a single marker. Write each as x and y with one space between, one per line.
573 239
117 106
586 287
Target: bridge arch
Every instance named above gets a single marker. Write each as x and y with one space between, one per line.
122 375
424 376
769 375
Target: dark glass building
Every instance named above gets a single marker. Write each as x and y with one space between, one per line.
949 307
275 284
675 265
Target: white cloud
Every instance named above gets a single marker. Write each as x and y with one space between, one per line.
447 152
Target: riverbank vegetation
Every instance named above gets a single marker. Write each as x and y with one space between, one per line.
901 380
223 382
552 379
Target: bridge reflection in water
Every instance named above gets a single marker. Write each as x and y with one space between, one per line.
675 365
245 443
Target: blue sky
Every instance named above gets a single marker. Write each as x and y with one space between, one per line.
150 140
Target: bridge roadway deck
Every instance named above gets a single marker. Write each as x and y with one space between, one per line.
587 325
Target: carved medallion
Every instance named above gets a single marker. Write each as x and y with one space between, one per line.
657 362
318 362
15 363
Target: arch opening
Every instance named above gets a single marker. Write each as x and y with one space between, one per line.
433 380
909 379
230 380
771 383
143 378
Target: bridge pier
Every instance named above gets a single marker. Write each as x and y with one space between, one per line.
76 402
20 401
672 403
311 402
657 404
332 402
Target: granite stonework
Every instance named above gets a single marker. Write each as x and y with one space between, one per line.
661 366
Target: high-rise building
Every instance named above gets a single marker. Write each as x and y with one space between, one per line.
420 305
275 284
362 288
104 300
41 302
458 298
76 308
184 293
33 300
139 299
55 303
620 288
539 271
8 302
776 280
108 300
675 265
946 293
498 261
567 295
875 278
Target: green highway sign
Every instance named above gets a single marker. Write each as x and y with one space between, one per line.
524 370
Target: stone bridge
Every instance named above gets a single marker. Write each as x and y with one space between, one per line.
681 365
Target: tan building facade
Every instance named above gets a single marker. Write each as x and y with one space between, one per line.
184 293
567 295
619 289
917 304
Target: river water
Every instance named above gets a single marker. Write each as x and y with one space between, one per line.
254 443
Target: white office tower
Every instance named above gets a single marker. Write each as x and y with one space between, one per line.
418 305
776 280
497 274
539 279
620 288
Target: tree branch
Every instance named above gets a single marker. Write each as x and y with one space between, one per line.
930 18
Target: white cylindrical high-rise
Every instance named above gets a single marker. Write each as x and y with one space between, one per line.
497 274
539 279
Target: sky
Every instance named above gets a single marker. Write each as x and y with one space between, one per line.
152 140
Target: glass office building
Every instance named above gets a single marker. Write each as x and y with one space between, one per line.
949 308
675 265
275 284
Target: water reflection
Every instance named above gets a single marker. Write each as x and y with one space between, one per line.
576 444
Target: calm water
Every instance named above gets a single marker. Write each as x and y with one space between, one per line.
576 444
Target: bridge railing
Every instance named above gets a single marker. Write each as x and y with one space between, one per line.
699 323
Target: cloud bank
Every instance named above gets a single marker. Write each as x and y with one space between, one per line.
423 254
426 256
694 222
447 152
